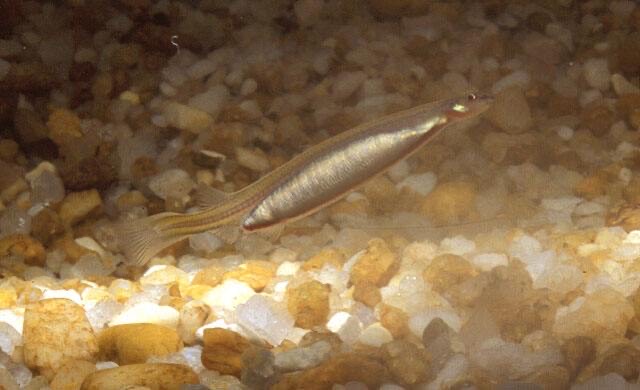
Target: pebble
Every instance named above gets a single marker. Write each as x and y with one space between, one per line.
579 318
76 206
375 266
375 335
488 261
72 374
171 184
253 159
135 343
56 331
611 381
346 326
148 312
621 359
308 303
510 111
266 318
187 118
223 351
228 295
256 273
141 376
302 358
596 73
423 183
450 202
342 368
193 315
622 86
211 101
518 78
408 363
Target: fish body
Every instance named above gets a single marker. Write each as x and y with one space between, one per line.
308 182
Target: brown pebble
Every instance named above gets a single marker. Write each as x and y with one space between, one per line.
24 247
30 126
135 343
394 320
375 266
308 303
368 294
550 378
623 360
342 368
256 273
447 270
408 363
628 54
578 352
223 350
157 376
450 203
330 256
46 225
597 118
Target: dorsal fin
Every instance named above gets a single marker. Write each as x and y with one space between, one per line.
207 196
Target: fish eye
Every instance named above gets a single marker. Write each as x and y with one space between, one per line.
472 96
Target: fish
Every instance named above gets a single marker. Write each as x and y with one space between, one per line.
310 181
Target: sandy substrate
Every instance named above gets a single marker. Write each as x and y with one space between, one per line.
504 253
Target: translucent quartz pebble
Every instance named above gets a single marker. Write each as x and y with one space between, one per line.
9 338
303 357
14 221
265 318
174 183
46 186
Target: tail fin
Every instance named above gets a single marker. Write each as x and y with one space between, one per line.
143 238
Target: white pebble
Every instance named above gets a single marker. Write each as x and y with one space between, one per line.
457 245
251 159
518 78
147 312
589 96
596 72
201 69
375 335
346 326
422 183
588 208
488 261
66 294
346 83
228 295
248 87
173 183
625 175
265 318
622 86
251 108
288 269
211 101
399 171
565 132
